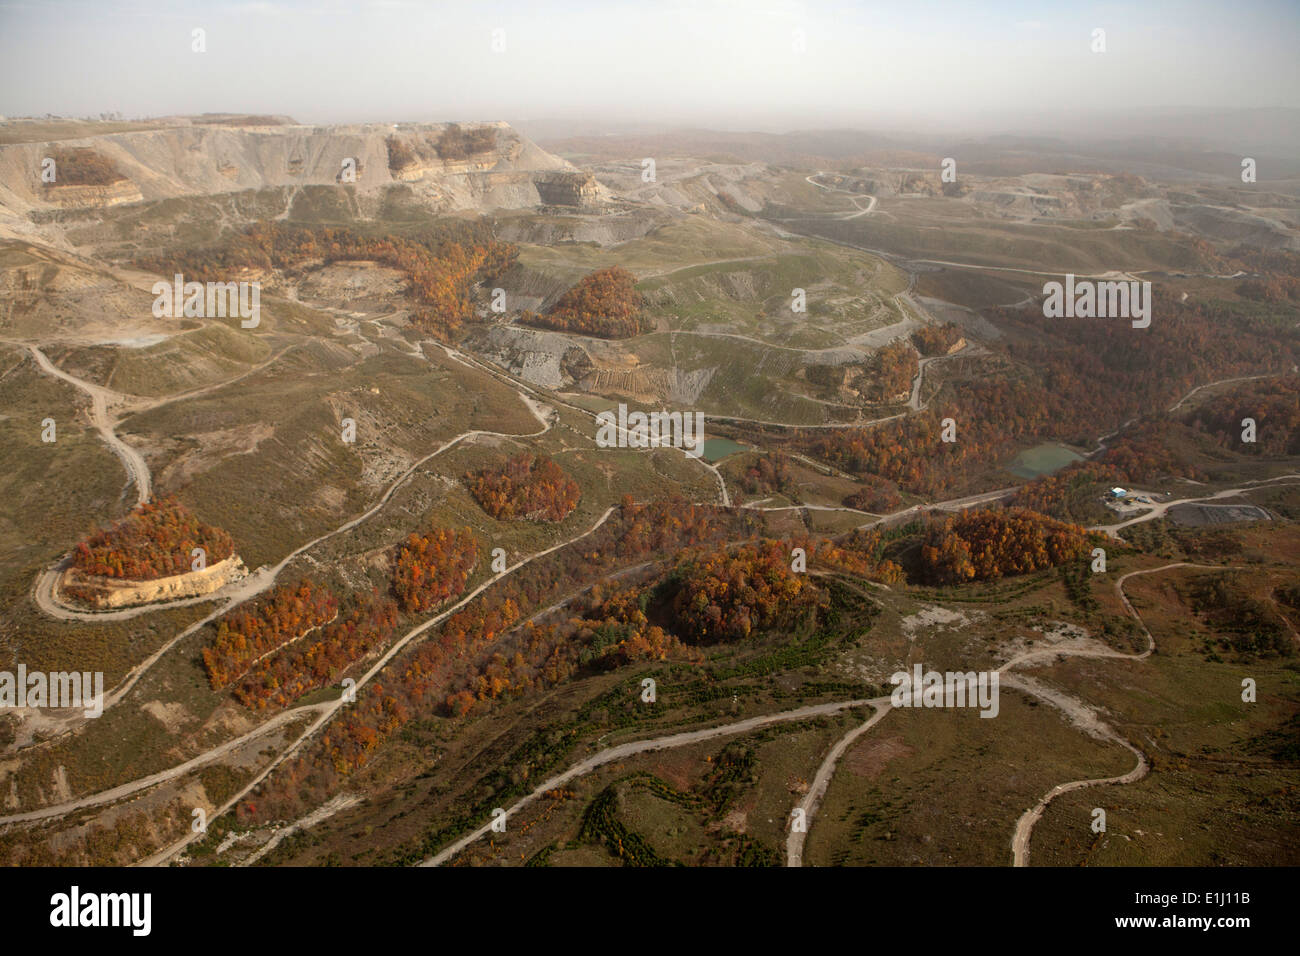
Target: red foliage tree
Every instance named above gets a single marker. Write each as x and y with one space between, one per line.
525 486
156 540
251 631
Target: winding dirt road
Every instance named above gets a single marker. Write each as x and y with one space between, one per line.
1025 825
144 783
136 470
138 474
248 587
1078 712
795 841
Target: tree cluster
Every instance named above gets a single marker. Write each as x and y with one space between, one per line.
251 631
877 495
896 367
1070 381
604 303
444 267
860 553
433 671
988 545
455 142
82 166
771 473
281 678
1072 493
936 339
1273 404
400 155
1149 451
524 486
428 569
156 540
728 594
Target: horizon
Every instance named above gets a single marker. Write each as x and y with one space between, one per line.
738 65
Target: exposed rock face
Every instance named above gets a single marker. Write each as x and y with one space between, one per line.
568 189
454 149
109 593
604 367
480 166
88 197
576 364
649 383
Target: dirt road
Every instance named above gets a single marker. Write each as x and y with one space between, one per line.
1158 510
623 751
795 841
1080 713
248 587
136 470
144 783
330 708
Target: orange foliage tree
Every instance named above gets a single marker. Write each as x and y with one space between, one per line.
1273 405
604 303
936 339
428 569
728 594
525 486
443 267
156 540
251 631
987 545
281 678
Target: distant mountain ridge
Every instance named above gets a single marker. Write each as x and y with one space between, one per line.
486 165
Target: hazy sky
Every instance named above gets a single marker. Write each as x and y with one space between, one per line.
720 63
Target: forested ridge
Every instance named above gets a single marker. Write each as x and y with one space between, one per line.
427 570
429 674
250 631
988 545
155 540
1272 404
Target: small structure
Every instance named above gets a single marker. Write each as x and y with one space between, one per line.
1118 493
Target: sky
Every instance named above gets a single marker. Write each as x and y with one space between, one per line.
727 64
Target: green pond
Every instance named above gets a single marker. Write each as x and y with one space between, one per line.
716 449
1040 460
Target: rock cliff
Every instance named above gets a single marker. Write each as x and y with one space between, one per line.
109 593
450 166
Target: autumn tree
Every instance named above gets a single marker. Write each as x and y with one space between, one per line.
524 486
604 303
156 540
991 544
